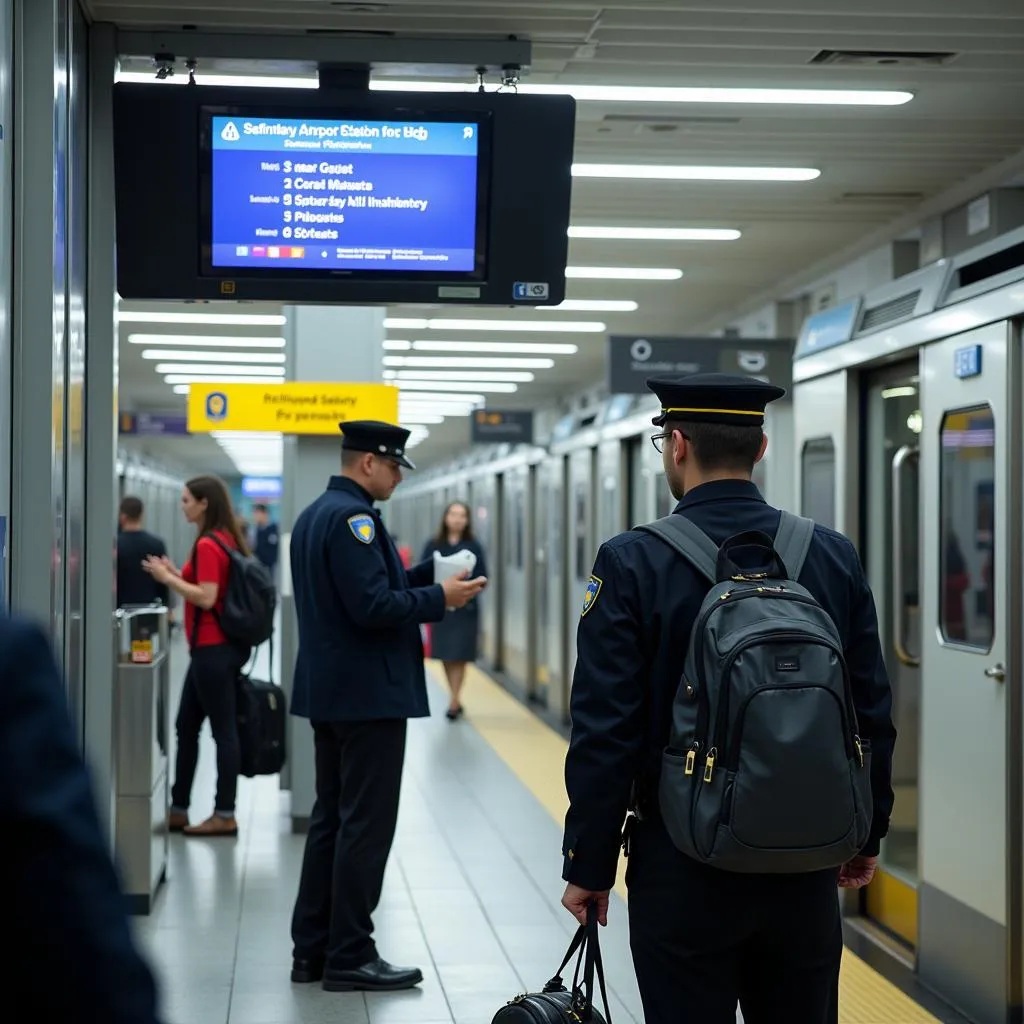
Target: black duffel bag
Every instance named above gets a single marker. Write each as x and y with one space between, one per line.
556 1004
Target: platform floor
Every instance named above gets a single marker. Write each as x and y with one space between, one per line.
471 896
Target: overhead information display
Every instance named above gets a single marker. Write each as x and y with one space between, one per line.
344 195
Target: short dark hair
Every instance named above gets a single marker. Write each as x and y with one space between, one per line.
350 457
720 446
132 508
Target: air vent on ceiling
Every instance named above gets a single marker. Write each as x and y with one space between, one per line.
885 313
885 58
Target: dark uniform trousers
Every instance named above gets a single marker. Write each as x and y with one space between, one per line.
704 939
352 827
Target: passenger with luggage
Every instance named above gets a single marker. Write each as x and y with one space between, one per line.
359 676
226 610
729 692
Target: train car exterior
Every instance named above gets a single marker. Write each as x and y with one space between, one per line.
908 431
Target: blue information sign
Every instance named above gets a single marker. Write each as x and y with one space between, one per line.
344 195
967 362
827 329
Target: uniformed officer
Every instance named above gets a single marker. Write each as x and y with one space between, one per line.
358 677
704 939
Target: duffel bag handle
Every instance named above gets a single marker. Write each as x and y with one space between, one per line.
586 947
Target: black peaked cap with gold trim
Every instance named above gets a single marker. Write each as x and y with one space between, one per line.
725 398
383 439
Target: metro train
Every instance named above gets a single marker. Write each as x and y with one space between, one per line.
905 431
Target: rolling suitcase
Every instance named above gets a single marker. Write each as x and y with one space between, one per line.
262 715
555 1004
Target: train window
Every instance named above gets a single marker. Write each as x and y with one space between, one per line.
966 532
818 481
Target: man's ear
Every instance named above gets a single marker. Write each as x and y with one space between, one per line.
764 448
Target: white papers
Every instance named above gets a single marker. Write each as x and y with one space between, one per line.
446 566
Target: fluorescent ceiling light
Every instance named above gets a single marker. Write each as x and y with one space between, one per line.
593 306
155 354
203 378
538 348
204 341
623 273
444 409
397 346
680 173
202 319
420 419
516 376
657 234
230 370
533 326
442 397
181 389
472 363
251 81
676 94
458 385
583 93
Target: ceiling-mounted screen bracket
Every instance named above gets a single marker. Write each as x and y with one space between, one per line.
396 55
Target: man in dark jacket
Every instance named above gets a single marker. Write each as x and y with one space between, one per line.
72 958
358 677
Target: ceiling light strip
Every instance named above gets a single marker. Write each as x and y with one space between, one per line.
220 370
623 273
470 362
639 234
531 326
533 348
664 172
199 356
128 316
204 341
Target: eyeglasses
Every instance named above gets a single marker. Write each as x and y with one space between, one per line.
659 440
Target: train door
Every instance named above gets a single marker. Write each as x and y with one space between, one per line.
611 494
515 577
582 544
552 684
970 488
890 549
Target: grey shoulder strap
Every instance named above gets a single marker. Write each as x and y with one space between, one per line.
689 540
793 541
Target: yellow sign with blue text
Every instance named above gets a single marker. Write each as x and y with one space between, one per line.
287 408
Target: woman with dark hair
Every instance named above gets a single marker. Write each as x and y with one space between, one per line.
210 686
454 640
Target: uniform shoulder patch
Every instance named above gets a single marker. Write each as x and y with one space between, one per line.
363 528
590 595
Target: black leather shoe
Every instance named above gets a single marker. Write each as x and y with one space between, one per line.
306 971
376 976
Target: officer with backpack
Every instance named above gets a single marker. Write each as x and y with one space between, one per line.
731 695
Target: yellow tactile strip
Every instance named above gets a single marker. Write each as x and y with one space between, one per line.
536 753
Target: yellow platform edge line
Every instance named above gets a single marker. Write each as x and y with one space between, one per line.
535 754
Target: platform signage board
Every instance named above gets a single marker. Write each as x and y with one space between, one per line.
152 424
494 426
632 359
288 408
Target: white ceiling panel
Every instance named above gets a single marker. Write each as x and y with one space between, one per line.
878 164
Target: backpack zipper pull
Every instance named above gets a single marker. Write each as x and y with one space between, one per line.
709 764
691 758
860 750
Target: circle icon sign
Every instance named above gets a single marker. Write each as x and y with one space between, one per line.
752 362
641 350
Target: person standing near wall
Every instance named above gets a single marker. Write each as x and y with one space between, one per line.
455 639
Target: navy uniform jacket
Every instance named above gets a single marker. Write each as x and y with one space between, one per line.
632 646
72 959
360 650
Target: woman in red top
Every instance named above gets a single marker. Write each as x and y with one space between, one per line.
210 686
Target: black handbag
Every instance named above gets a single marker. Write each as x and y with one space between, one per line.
555 1004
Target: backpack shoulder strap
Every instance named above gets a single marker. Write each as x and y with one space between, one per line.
793 541
689 540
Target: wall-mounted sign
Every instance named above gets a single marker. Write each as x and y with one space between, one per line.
492 426
967 362
262 487
152 424
291 408
828 328
633 359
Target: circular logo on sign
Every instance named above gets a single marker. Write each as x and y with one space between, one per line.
752 362
641 350
216 405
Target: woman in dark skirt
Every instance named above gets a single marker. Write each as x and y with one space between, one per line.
455 639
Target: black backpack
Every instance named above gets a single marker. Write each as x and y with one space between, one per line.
764 771
247 617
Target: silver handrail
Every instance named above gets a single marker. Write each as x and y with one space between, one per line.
905 454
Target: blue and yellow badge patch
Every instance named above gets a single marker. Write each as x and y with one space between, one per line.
363 528
590 595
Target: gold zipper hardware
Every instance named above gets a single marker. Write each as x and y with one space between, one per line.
709 764
691 758
860 750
